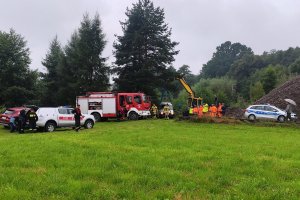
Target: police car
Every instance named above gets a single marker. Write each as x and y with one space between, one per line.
269 112
52 118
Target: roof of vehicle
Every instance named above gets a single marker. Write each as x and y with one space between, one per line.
164 103
16 108
262 105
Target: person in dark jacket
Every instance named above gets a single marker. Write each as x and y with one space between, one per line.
32 118
21 121
289 111
77 115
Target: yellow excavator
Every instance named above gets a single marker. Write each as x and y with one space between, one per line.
192 100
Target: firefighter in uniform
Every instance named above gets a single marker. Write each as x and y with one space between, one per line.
77 115
21 121
166 111
154 111
32 118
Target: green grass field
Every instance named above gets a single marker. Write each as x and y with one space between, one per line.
152 159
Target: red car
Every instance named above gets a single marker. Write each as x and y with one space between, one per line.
5 117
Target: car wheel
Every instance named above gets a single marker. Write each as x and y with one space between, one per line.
89 124
133 116
97 116
252 117
281 118
50 127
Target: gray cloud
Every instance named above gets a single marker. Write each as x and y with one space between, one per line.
199 25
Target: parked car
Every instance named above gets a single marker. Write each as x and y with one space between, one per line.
11 112
52 118
161 109
267 111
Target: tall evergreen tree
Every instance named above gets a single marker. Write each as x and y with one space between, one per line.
145 50
51 78
17 81
83 68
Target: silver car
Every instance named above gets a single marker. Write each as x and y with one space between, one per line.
270 112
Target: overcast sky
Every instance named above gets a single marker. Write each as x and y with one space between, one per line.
198 25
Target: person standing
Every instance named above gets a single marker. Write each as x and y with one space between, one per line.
200 111
213 110
166 111
77 115
154 111
219 113
289 111
205 109
21 121
32 118
12 124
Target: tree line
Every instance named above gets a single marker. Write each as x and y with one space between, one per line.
144 54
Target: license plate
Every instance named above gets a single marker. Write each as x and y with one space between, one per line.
3 117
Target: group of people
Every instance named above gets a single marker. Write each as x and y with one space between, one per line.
214 110
18 123
166 111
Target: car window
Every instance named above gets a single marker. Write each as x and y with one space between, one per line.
63 111
257 107
138 99
267 108
9 112
129 99
70 111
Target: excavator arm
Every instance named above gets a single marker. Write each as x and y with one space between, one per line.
192 101
187 87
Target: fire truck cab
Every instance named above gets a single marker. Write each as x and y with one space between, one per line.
104 105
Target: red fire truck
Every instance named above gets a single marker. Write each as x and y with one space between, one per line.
104 105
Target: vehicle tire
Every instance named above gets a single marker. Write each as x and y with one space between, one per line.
50 126
89 124
133 116
281 118
252 117
97 116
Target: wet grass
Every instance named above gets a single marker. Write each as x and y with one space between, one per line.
152 159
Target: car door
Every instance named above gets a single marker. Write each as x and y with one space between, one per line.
71 121
64 117
259 112
268 112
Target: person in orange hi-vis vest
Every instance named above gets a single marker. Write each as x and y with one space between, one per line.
220 110
200 111
213 110
195 110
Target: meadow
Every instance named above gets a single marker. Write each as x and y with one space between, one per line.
152 159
